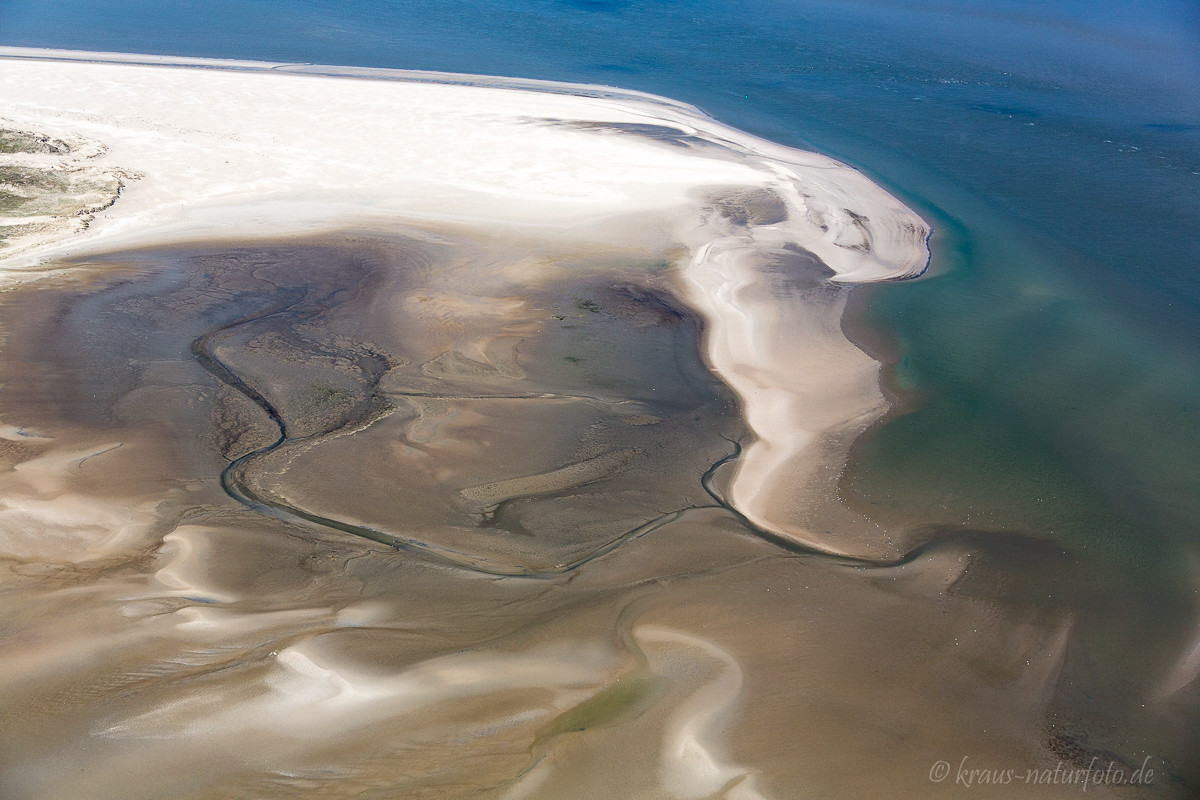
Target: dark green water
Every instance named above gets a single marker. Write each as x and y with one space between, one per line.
1051 360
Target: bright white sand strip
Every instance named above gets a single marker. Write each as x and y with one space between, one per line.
693 766
244 149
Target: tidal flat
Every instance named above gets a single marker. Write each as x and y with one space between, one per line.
488 447
347 516
406 391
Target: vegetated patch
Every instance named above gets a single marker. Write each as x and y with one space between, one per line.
49 188
326 393
14 141
34 178
11 203
628 697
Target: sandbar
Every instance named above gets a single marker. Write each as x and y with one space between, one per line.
764 240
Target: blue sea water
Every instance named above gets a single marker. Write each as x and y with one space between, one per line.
1080 121
1050 363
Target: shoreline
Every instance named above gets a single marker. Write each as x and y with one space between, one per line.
234 150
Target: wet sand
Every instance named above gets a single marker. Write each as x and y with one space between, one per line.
220 150
604 628
491 493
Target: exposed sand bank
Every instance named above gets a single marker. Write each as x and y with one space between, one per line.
466 317
243 149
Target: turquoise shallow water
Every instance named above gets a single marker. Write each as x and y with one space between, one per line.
1051 360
